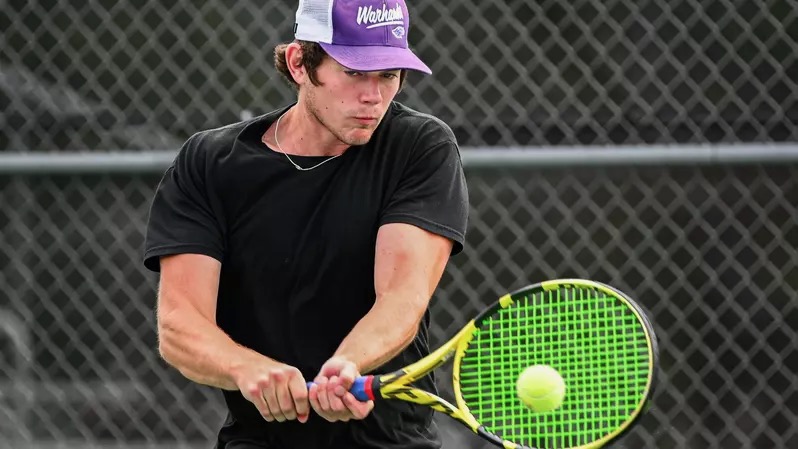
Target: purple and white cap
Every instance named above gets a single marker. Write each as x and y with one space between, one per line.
365 35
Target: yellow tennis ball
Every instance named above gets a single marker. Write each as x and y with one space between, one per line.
541 388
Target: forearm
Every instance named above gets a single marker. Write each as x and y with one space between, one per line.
200 350
408 265
383 332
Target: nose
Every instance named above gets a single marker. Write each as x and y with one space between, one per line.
370 92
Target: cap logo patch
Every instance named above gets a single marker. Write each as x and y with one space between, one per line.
374 18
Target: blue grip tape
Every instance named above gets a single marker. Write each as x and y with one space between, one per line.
358 389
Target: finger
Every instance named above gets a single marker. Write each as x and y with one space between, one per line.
256 397
313 396
323 401
270 396
335 409
320 402
336 404
299 394
358 409
331 386
338 386
330 383
284 400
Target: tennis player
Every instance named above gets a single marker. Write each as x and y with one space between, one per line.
305 244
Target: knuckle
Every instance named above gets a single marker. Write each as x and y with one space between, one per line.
301 395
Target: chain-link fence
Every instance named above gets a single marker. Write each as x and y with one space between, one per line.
104 74
710 251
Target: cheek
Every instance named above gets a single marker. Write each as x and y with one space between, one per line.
389 92
325 99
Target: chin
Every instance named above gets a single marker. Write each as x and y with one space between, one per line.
359 137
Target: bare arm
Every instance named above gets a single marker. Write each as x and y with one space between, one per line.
409 263
190 340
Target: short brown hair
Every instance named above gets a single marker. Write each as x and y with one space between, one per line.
312 56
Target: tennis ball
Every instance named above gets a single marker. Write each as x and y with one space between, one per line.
541 388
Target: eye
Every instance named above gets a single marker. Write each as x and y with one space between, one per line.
390 75
353 73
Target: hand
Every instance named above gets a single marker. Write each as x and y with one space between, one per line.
330 396
279 391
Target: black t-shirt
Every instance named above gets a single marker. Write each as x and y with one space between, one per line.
297 253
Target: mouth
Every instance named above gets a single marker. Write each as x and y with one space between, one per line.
366 120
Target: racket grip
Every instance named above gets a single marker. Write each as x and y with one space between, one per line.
361 389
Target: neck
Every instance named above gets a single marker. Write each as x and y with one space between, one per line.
300 133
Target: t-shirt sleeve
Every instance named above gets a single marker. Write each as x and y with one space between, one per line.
182 215
432 194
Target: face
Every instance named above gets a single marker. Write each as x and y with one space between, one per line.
350 104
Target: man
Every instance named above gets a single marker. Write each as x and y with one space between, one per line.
305 244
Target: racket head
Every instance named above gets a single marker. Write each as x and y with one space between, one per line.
599 340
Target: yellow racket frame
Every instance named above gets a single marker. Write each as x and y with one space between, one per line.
396 385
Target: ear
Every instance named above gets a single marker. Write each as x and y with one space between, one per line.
293 59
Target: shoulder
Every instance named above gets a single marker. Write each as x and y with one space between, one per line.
428 130
213 145
209 142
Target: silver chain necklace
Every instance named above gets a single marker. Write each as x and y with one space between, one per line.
277 128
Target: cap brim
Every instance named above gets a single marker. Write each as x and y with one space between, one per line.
369 58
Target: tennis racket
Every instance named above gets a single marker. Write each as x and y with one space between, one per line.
596 337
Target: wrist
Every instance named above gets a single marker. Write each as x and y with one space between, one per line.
235 372
344 357
239 365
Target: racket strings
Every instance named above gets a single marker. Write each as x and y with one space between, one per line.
595 342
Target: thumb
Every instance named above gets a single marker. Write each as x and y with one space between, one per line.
348 374
346 378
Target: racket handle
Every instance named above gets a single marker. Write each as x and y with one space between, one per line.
361 389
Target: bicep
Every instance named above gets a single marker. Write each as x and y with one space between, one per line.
409 259
188 282
432 194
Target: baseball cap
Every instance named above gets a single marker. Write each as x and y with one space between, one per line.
365 35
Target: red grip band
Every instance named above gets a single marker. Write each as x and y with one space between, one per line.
369 391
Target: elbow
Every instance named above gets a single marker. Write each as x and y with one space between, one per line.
409 331
401 316
167 347
164 352
173 349
173 336
409 339
398 330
